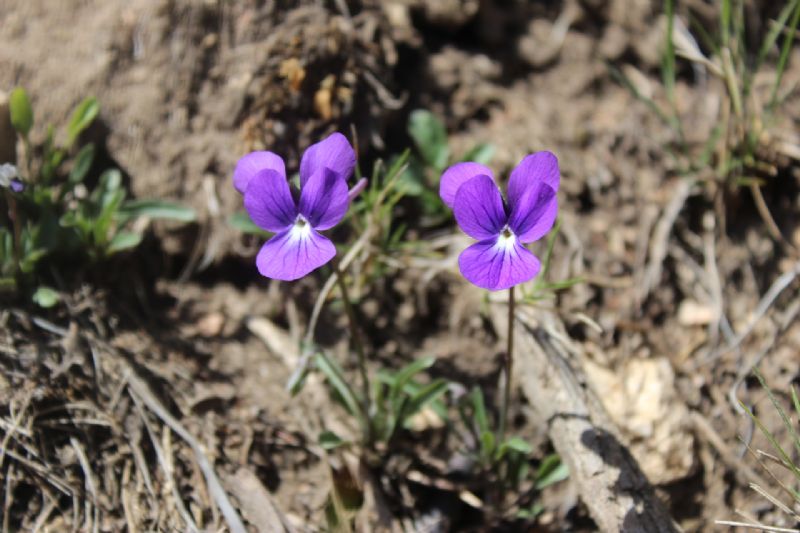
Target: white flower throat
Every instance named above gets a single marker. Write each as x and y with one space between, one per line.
506 239
301 228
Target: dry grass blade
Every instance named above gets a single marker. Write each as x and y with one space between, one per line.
775 290
91 486
661 234
166 466
256 502
754 525
139 388
775 501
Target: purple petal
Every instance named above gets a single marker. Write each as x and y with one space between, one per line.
534 213
498 263
269 202
334 152
293 253
479 208
16 185
357 189
541 167
323 199
455 176
253 163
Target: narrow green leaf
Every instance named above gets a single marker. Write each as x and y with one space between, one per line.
781 411
83 162
518 445
407 373
395 168
430 137
551 471
157 209
124 240
487 444
784 57
336 378
45 297
774 32
21 111
81 118
330 440
28 263
427 394
479 410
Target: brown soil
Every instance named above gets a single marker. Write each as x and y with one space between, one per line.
187 87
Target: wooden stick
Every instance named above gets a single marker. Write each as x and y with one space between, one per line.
608 479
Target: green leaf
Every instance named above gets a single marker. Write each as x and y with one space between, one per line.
430 136
405 374
330 440
481 153
427 394
516 444
8 285
45 297
157 209
28 263
124 240
81 118
83 162
337 380
487 444
21 111
551 470
560 473
241 222
479 410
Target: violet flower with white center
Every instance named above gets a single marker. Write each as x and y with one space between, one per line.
9 178
297 217
499 260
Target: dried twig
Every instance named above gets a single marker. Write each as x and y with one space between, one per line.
609 480
139 388
755 525
661 234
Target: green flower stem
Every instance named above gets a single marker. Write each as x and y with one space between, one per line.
359 346
13 214
509 364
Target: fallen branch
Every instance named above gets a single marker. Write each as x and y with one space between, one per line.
608 479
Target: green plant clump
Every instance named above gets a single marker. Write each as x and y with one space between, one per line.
58 209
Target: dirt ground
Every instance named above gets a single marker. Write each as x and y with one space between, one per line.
674 267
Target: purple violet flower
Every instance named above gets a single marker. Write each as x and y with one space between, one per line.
499 260
296 217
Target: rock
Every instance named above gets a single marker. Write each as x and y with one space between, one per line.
693 313
642 400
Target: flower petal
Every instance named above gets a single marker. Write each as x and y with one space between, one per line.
541 167
293 253
479 208
455 176
269 202
534 213
253 163
324 199
498 263
333 152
